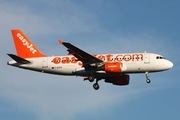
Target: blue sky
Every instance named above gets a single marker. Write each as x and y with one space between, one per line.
96 26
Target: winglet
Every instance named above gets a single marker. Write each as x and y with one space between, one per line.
60 41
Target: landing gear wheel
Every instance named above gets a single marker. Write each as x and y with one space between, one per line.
147 77
148 80
91 79
96 86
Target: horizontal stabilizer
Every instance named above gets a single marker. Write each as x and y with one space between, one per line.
19 59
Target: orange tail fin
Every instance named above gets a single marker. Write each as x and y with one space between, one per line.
24 47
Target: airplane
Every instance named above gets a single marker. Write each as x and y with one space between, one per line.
113 68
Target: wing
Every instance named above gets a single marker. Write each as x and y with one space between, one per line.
81 55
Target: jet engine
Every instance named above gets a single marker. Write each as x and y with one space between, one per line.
118 80
112 67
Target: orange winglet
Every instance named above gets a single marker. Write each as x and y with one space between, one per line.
60 41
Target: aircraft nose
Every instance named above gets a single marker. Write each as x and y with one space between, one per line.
169 64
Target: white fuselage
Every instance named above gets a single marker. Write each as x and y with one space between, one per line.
68 65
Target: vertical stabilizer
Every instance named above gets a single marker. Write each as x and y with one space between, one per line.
24 47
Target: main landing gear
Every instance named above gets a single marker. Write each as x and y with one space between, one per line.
147 77
96 85
91 78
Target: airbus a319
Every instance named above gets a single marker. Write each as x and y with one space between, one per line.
112 68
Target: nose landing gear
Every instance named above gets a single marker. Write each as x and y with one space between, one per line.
147 77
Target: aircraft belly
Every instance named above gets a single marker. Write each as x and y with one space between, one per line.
141 67
137 67
63 69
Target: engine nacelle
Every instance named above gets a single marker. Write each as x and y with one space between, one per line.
119 80
112 67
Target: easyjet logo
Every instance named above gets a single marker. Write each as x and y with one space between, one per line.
112 66
120 57
107 58
66 60
26 43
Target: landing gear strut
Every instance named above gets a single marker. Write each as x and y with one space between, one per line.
147 77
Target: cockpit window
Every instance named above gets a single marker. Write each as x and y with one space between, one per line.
160 57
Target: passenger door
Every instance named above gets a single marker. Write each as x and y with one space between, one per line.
146 58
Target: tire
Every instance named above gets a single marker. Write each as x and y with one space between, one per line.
91 79
148 80
96 86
